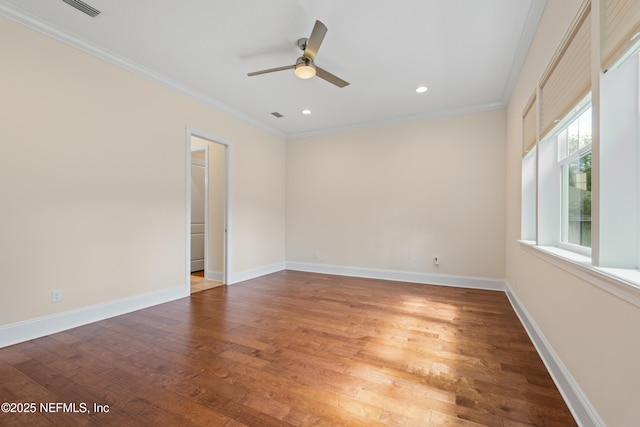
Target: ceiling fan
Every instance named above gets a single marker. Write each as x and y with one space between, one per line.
305 66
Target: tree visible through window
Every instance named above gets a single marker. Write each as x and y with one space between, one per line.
575 160
578 221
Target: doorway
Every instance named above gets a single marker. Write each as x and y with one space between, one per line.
207 207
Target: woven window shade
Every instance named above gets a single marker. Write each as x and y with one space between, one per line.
529 123
568 77
620 21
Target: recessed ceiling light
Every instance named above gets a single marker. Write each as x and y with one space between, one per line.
421 89
306 111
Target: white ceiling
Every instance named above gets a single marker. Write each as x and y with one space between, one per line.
468 53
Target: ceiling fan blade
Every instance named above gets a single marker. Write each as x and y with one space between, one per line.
271 70
325 75
315 40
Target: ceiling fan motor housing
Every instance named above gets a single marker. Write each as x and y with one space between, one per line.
302 43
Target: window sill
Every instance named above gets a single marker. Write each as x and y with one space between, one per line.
622 283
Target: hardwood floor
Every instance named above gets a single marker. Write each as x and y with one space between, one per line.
293 348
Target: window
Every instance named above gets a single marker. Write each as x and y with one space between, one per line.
561 195
581 149
564 162
574 158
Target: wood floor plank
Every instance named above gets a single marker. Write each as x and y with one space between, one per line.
294 348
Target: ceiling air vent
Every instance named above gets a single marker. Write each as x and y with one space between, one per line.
83 7
278 115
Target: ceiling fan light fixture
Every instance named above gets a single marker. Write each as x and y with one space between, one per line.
305 69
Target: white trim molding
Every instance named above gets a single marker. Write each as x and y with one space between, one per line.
529 31
402 276
400 119
35 328
241 276
218 276
578 403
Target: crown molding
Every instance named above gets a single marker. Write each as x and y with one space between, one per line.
526 38
401 119
74 40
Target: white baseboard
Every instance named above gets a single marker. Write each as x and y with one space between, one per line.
402 276
213 275
197 265
35 328
578 403
241 276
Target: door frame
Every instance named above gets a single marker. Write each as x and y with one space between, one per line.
226 258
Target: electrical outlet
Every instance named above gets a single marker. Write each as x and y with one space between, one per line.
56 295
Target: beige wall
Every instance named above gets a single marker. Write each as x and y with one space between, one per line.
393 197
92 180
594 333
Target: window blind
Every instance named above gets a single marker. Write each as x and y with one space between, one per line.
620 20
529 122
567 80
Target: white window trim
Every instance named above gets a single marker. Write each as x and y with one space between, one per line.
623 283
577 249
575 156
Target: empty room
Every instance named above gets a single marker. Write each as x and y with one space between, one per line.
363 213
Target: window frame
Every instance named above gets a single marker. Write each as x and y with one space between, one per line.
564 160
549 184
